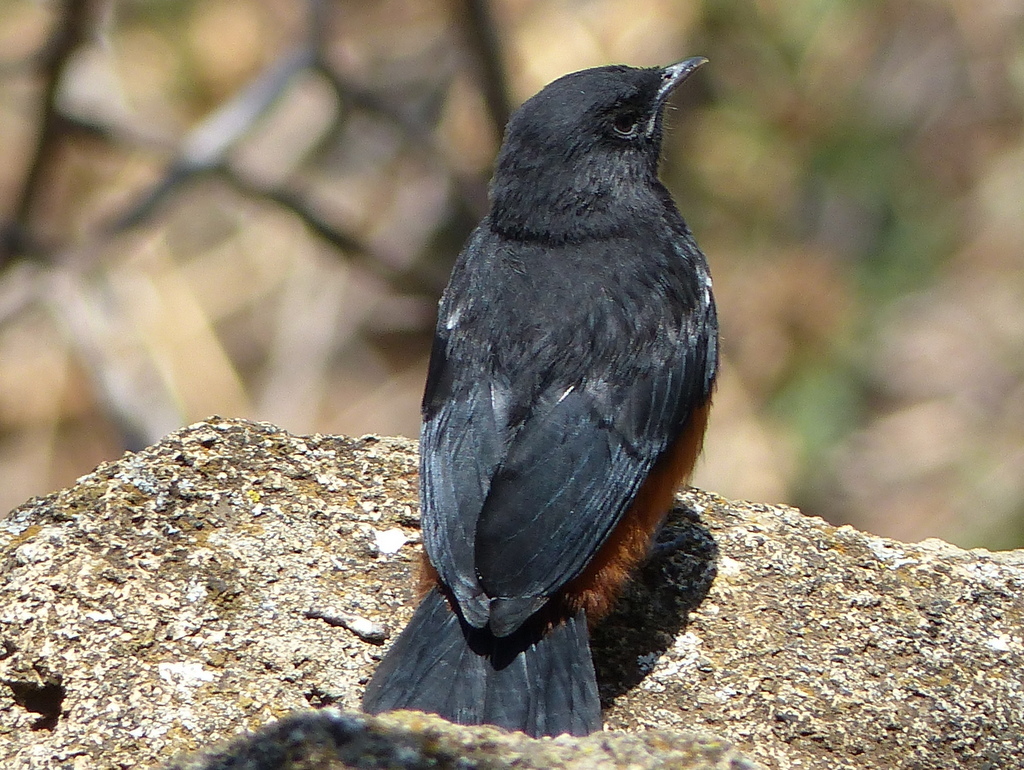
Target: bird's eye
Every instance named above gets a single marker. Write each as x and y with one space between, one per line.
626 124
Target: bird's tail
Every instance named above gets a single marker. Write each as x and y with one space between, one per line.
539 681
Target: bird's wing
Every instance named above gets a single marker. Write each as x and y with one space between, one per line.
461 445
513 513
564 484
569 476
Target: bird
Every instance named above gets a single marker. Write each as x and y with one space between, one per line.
566 399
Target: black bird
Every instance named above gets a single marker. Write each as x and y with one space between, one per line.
567 396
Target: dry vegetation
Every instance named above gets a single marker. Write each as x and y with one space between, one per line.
248 207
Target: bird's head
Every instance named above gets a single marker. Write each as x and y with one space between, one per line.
582 154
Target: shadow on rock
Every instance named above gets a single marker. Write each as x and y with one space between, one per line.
655 604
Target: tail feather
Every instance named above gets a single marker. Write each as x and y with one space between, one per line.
542 683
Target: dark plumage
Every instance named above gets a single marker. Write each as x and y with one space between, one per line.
567 395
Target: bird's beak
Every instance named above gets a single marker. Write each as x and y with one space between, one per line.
674 74
671 76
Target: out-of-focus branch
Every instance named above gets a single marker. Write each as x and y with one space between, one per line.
206 146
355 249
481 34
130 388
472 192
296 203
135 136
317 21
70 31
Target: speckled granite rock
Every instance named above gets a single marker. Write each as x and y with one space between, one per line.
232 574
412 741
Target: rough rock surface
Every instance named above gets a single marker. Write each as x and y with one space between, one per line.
411 740
233 574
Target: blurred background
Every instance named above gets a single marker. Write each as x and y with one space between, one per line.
249 208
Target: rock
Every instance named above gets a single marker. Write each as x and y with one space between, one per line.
328 739
232 575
